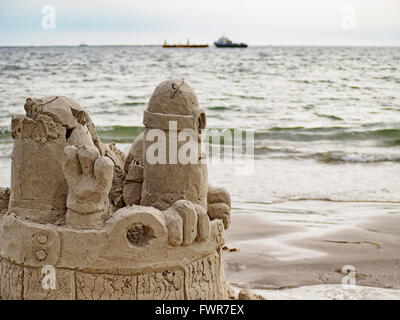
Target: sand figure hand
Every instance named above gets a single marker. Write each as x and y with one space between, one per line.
89 178
187 222
219 205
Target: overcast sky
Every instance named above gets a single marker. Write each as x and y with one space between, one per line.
257 22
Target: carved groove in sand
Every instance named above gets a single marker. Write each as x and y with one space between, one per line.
113 226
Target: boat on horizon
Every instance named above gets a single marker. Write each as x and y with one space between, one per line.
187 45
224 42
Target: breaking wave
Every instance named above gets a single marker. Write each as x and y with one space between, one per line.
355 157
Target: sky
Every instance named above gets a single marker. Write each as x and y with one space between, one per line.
256 22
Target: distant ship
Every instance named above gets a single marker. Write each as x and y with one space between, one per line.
224 42
187 45
83 44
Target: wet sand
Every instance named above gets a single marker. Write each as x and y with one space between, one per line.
276 252
329 292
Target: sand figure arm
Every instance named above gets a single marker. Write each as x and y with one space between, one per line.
89 177
219 204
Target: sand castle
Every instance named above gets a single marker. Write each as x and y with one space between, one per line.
82 220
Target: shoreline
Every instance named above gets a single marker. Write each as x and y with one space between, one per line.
279 255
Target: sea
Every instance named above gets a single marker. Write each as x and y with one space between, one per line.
326 120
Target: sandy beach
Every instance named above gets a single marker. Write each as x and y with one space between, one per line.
329 292
282 255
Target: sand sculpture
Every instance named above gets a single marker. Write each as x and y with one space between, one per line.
82 220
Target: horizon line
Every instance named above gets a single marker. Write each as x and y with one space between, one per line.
210 46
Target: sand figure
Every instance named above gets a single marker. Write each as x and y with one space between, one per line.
85 221
38 185
89 177
173 108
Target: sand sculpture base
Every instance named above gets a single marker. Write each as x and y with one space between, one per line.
161 272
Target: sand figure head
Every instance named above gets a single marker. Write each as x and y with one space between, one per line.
177 101
173 97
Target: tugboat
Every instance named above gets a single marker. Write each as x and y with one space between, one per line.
187 45
224 42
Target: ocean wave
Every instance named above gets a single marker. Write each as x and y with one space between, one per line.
224 108
355 157
330 157
274 133
128 104
5 135
246 97
263 150
328 116
5 151
382 138
11 68
388 78
119 134
132 97
326 133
